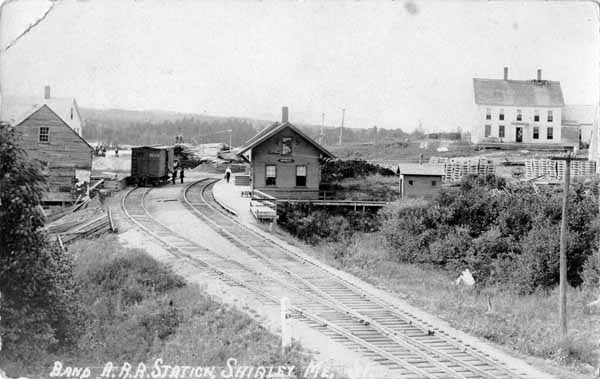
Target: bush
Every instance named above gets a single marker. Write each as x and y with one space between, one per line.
591 271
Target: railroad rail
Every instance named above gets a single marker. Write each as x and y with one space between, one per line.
369 324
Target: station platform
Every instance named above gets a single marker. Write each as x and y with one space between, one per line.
230 196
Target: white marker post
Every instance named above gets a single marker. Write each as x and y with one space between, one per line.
286 330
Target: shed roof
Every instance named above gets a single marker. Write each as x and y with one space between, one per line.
527 93
421 169
156 147
273 129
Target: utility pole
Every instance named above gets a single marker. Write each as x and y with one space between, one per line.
563 244
322 135
342 127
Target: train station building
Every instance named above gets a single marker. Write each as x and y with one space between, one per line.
285 162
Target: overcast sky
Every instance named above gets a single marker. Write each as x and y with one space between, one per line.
389 63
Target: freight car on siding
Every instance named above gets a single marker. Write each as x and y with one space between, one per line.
151 165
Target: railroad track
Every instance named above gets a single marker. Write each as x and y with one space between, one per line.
378 330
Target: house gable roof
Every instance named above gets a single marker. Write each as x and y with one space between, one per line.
526 93
421 169
578 114
275 128
39 108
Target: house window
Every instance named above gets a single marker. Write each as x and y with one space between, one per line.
300 176
488 130
519 115
550 118
410 182
501 131
549 133
488 114
501 115
536 132
44 134
536 116
271 175
286 145
433 183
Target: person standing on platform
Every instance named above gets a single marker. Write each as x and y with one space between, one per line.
174 175
181 175
228 173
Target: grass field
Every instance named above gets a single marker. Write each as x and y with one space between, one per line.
524 325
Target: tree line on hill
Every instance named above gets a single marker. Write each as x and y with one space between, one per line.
130 127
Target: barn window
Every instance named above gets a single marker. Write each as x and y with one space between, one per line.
433 183
44 134
300 176
410 182
271 175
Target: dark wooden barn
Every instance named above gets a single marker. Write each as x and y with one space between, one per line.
285 162
65 157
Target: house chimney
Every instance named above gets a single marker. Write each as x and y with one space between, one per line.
539 78
284 114
47 92
505 73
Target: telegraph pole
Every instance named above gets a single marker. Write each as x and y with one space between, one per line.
342 127
563 244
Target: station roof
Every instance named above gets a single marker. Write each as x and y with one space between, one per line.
157 147
273 129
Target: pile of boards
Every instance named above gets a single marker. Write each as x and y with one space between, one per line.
552 169
456 168
86 220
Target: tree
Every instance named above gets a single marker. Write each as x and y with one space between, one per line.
37 309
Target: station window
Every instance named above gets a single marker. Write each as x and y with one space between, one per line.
536 132
271 175
488 130
44 134
550 117
549 133
488 114
433 183
501 115
300 176
519 115
410 182
286 145
501 131
536 116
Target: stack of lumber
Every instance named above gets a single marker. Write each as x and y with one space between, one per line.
455 169
87 220
242 180
550 169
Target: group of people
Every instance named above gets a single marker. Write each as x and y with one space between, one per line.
174 173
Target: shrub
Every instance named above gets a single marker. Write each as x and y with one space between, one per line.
591 271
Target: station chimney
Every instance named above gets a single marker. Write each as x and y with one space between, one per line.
284 114
539 75
46 92
505 73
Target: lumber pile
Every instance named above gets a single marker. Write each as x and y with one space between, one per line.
456 168
549 169
261 211
87 219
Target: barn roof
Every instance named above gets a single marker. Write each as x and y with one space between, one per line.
15 109
273 129
526 93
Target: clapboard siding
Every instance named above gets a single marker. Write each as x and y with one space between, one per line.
64 152
64 148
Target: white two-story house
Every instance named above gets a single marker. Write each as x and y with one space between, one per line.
517 111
